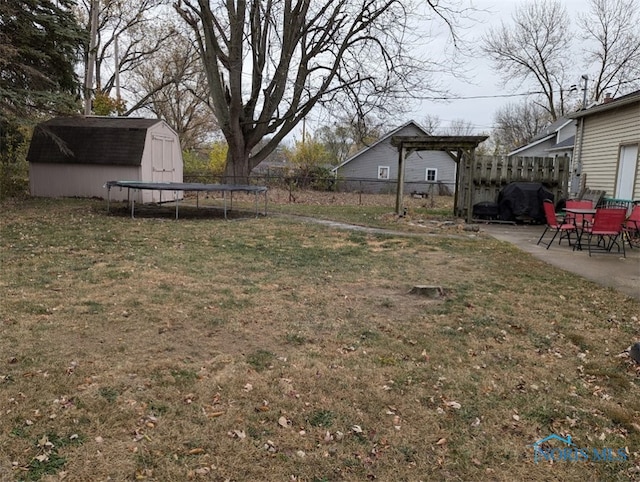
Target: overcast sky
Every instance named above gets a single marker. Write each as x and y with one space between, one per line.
485 81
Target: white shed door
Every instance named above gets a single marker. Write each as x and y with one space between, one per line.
626 172
162 153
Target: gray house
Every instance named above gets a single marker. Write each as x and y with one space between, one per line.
76 156
556 139
375 168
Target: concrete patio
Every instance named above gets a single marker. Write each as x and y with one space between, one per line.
612 270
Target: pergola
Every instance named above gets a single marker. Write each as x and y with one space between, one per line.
458 147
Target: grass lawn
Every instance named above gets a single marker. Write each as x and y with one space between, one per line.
273 349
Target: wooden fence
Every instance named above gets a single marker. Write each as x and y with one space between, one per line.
482 178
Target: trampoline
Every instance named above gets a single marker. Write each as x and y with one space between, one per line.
186 186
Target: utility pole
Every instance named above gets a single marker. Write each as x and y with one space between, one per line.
584 93
117 56
91 60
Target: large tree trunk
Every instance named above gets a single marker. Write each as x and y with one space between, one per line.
237 169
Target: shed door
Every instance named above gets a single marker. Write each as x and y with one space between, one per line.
162 153
626 171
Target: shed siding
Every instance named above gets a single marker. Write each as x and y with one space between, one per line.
79 180
162 161
603 136
365 166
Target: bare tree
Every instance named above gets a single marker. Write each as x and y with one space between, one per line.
128 34
460 127
517 124
535 46
337 140
175 84
431 123
613 28
270 62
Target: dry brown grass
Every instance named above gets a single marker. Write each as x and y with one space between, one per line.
273 349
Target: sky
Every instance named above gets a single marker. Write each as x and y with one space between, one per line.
486 82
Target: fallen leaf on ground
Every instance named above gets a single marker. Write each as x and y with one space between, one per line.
283 422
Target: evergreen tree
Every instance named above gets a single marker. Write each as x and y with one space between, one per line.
40 42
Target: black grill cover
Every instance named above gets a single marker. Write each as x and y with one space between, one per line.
522 201
485 210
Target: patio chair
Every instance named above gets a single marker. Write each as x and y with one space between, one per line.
606 230
631 227
558 227
578 219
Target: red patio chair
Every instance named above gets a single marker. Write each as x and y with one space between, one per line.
631 227
578 219
565 229
606 230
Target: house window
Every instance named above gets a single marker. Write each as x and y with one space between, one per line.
431 175
383 172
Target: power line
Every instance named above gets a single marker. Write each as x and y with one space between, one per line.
472 97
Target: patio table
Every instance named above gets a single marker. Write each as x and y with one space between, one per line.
582 212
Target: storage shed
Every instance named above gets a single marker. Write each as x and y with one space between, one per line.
76 156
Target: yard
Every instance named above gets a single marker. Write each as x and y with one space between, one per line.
282 350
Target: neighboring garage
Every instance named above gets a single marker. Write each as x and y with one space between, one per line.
77 156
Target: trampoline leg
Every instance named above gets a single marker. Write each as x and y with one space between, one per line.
255 195
108 198
177 203
133 204
224 197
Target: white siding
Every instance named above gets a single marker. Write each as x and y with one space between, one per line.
162 161
604 134
79 180
162 158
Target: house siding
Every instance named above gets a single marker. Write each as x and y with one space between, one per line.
539 150
362 171
566 132
603 136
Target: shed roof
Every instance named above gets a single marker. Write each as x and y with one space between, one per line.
90 140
